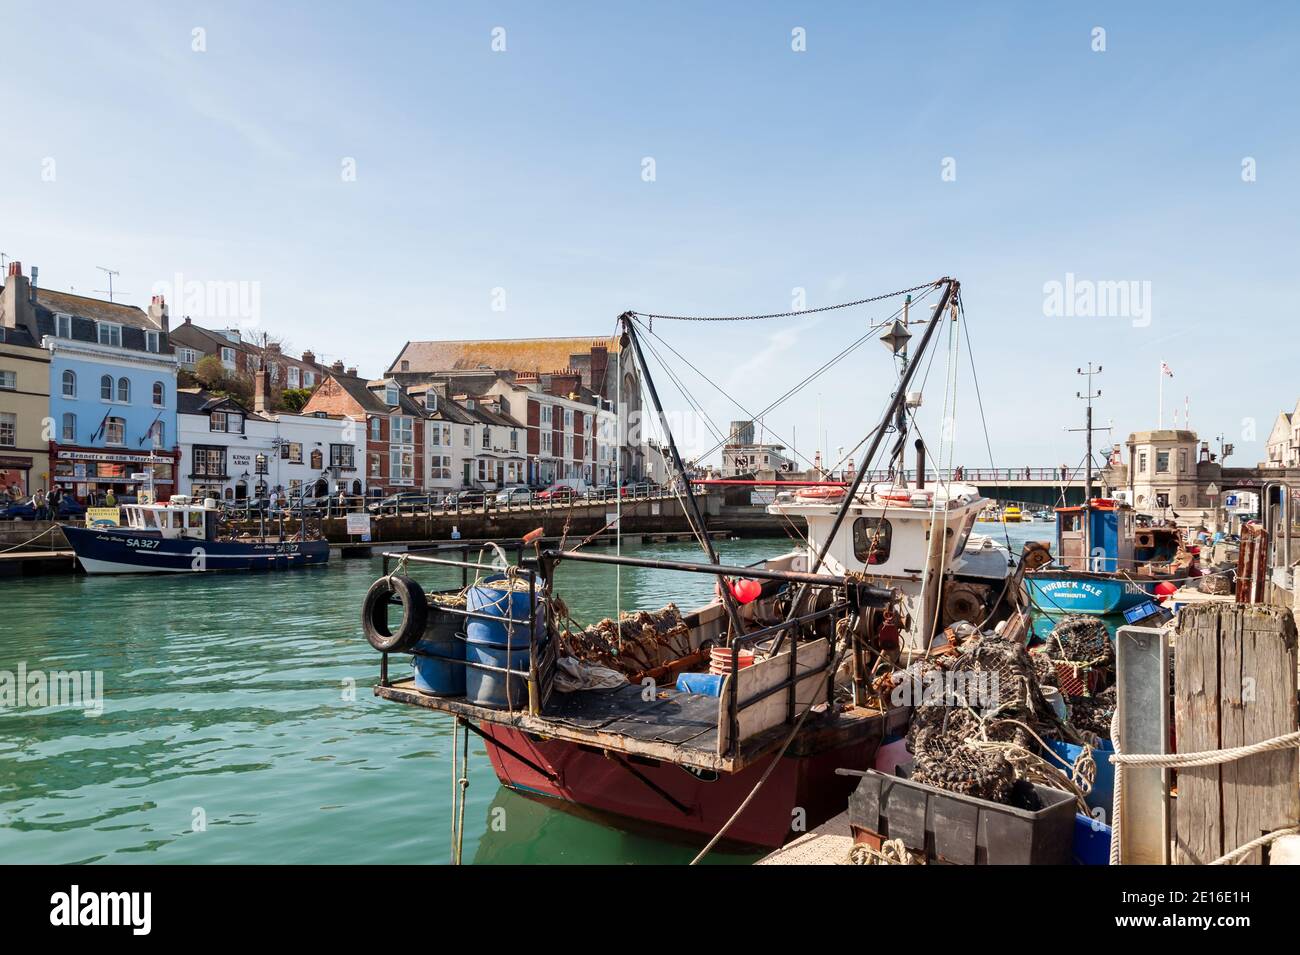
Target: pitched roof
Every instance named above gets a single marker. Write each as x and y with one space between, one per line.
93 308
514 354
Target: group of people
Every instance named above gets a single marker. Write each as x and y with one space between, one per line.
45 503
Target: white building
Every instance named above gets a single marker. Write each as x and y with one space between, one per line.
231 453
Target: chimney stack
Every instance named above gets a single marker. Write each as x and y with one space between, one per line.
352 372
36 271
16 308
309 358
262 391
337 367
158 312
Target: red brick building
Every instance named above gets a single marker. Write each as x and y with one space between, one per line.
394 424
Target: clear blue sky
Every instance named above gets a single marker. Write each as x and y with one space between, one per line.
775 169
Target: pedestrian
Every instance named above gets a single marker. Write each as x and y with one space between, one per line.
110 499
40 505
343 501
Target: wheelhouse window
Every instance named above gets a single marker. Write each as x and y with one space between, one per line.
872 539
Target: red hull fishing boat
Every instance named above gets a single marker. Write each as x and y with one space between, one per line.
729 720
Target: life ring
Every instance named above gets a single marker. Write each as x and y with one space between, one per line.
374 614
821 493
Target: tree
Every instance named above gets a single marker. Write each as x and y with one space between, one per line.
293 399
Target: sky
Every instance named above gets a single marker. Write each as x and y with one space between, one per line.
352 176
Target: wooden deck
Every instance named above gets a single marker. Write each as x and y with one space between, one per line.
681 728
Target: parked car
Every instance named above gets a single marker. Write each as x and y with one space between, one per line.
402 500
557 493
69 509
469 497
517 494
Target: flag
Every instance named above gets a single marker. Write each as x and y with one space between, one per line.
1166 370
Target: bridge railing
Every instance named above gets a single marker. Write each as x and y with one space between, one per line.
983 475
427 505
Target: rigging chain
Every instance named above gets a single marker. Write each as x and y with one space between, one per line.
802 311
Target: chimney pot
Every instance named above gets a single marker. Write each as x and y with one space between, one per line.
352 372
15 268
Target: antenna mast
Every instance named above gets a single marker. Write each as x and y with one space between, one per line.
110 273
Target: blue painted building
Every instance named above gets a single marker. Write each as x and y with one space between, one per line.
112 389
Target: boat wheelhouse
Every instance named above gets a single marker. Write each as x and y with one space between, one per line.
185 535
1105 563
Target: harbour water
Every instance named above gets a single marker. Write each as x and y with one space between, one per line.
238 725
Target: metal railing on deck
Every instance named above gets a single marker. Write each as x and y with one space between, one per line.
536 693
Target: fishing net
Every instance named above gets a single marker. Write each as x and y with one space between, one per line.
1092 714
639 641
1081 656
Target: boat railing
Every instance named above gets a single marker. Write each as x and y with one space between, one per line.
856 594
539 573
540 666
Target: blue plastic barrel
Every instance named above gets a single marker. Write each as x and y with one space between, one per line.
490 600
1103 789
705 684
488 688
436 677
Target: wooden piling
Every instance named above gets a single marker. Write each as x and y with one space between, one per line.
1234 684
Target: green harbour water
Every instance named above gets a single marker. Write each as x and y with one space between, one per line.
239 726
229 735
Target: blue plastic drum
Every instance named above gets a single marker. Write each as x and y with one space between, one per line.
511 606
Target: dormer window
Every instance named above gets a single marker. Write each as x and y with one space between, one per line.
431 400
390 395
109 333
62 325
151 341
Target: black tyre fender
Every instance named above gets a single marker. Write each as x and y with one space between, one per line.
374 614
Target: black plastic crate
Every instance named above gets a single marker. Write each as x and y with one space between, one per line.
963 830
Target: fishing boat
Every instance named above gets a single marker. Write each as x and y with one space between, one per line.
1105 564
730 719
185 535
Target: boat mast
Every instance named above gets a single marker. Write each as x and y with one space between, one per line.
950 288
692 506
1087 461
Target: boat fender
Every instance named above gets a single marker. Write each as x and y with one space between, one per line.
374 614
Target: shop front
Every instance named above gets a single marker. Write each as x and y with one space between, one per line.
21 470
89 474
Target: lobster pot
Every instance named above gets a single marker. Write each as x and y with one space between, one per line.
489 688
433 676
510 630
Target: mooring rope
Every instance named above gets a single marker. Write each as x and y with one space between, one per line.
1210 757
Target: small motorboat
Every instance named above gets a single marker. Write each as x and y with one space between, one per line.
1011 514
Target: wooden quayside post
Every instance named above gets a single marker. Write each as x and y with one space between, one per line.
1234 685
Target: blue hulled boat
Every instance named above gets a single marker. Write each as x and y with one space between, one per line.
1102 561
185 536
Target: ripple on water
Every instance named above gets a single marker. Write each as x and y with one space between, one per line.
239 726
